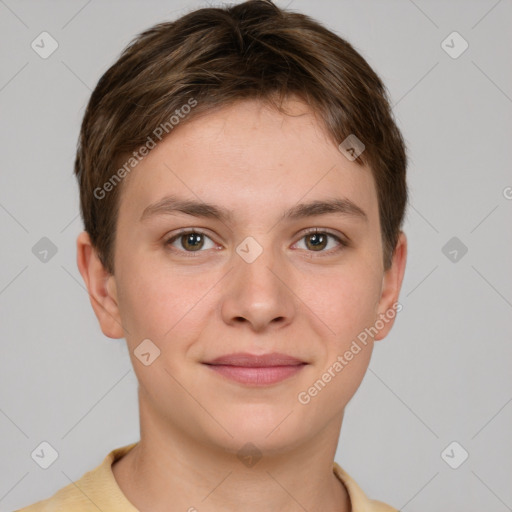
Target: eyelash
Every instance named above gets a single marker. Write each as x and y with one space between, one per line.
194 254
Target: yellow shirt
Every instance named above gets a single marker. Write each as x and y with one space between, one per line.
98 490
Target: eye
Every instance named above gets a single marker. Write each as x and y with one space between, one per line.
318 240
191 240
195 241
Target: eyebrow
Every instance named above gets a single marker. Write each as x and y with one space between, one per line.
171 204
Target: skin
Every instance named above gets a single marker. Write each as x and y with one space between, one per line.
306 301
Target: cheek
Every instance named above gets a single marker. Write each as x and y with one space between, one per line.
332 388
345 300
158 304
145 304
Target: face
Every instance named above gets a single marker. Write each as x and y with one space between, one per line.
242 261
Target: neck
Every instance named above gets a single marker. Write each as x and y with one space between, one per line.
168 466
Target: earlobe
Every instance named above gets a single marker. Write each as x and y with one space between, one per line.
391 285
101 287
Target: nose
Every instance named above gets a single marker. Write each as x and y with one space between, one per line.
258 294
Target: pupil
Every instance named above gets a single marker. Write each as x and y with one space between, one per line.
320 239
192 239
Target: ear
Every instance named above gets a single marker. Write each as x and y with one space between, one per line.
101 286
391 285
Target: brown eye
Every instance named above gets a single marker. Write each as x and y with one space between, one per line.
320 242
192 241
317 241
189 241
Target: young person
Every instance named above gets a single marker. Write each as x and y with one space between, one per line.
242 186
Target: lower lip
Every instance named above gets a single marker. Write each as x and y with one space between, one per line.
257 376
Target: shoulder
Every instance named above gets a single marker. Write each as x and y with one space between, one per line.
358 499
380 506
95 490
68 496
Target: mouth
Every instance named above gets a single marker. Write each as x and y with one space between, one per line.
256 370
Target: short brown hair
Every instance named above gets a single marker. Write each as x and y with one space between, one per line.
214 57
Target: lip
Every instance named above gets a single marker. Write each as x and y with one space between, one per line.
256 361
257 370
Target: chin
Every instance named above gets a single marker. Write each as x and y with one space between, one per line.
269 429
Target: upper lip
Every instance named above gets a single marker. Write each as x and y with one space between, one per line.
256 361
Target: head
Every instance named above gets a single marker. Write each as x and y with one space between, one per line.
231 126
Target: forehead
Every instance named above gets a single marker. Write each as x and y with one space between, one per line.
248 156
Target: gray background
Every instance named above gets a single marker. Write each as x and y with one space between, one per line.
442 375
